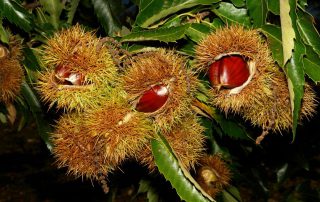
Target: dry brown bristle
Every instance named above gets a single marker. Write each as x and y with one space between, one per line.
123 132
75 149
273 113
213 175
11 72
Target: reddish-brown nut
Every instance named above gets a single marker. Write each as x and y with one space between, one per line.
153 99
229 72
66 77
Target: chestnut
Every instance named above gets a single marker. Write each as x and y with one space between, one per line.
229 72
62 72
153 99
66 77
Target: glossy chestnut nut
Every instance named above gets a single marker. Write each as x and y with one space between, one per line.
229 72
153 99
62 72
66 77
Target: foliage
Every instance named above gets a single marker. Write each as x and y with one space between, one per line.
141 25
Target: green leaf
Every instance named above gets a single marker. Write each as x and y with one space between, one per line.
30 60
273 34
230 127
72 10
281 173
303 3
274 6
170 34
296 81
146 186
238 3
308 32
4 36
138 48
232 15
198 31
295 69
54 9
173 21
35 107
187 188
106 17
16 14
287 30
231 194
150 11
188 48
311 64
257 11
216 23
3 118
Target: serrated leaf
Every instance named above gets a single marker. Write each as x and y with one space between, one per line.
150 11
274 6
187 188
307 30
232 15
72 10
4 36
311 64
16 14
295 76
287 30
170 34
35 107
54 9
146 186
188 48
30 60
138 48
198 31
295 69
231 194
257 10
273 34
106 17
229 127
238 3
173 21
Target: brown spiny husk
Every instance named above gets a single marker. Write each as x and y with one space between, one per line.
75 149
167 68
97 141
11 72
273 113
83 53
122 131
185 139
213 174
248 43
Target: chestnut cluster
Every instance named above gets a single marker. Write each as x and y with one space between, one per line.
246 81
112 113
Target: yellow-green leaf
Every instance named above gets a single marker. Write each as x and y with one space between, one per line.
287 30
